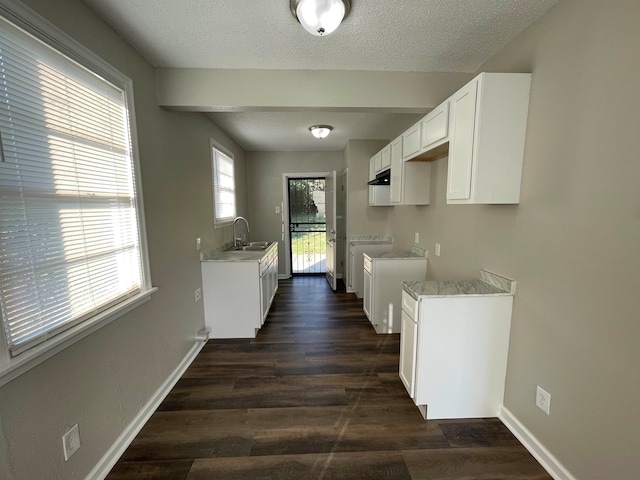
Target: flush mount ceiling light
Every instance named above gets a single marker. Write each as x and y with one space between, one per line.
321 131
320 17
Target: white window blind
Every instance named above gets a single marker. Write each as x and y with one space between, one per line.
224 187
69 231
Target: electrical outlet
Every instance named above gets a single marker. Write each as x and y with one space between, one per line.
416 237
277 208
71 442
198 294
543 399
198 244
437 249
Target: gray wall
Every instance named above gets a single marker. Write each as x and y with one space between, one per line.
103 381
361 218
572 242
264 185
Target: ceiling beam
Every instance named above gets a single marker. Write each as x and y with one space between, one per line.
212 90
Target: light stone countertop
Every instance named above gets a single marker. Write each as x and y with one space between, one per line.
369 239
395 255
221 255
488 284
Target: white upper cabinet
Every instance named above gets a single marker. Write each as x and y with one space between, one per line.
411 142
435 127
378 194
488 120
385 158
410 181
377 163
396 170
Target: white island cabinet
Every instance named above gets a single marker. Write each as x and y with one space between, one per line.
238 288
454 342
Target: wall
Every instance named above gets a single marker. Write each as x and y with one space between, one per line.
104 380
571 243
264 184
362 219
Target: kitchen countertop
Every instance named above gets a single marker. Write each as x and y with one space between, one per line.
369 239
221 255
488 284
395 255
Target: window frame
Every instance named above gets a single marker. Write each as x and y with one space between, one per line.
31 22
225 221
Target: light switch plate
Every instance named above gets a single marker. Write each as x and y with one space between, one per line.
437 249
416 237
198 244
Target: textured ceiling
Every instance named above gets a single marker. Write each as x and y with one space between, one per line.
289 131
402 35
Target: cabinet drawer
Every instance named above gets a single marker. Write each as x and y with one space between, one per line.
409 305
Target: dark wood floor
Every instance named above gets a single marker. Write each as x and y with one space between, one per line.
315 396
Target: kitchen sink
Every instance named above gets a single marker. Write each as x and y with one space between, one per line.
259 244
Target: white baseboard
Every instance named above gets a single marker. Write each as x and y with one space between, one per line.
283 276
550 463
110 458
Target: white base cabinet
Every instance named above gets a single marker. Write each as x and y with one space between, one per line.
383 277
355 280
237 294
453 353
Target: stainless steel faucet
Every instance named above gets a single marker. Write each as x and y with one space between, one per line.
237 241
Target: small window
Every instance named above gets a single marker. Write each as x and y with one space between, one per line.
71 241
224 186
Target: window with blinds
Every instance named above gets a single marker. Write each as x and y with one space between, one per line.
70 242
224 187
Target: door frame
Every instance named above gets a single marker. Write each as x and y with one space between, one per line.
286 238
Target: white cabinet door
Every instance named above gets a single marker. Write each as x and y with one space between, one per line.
435 126
411 141
463 110
377 162
385 156
366 303
264 295
397 171
488 122
408 350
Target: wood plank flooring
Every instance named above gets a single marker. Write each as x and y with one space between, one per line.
316 395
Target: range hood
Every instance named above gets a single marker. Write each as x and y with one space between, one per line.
383 178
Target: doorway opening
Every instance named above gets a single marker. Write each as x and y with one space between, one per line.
307 225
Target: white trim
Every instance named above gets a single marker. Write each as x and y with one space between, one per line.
548 461
34 24
20 364
227 221
283 276
111 457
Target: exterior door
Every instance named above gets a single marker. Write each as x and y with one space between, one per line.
307 225
330 198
